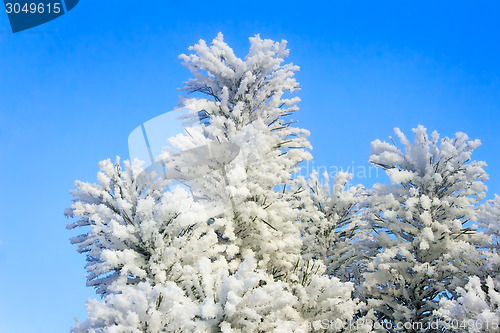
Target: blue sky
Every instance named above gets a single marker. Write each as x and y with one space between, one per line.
72 90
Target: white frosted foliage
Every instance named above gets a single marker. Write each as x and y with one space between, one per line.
478 306
222 252
424 223
231 239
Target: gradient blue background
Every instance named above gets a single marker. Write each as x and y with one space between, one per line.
73 89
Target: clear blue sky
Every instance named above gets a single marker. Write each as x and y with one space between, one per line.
72 90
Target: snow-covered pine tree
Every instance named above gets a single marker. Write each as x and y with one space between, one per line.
333 227
423 223
335 231
246 106
477 309
171 260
